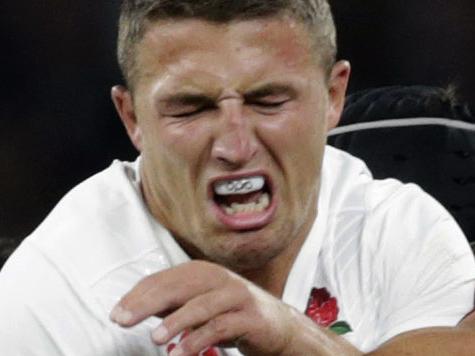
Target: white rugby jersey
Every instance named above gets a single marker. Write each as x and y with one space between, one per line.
381 258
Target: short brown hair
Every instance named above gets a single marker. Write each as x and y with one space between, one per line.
137 14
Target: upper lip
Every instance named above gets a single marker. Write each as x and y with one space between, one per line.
235 176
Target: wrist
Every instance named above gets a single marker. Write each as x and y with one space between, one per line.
307 338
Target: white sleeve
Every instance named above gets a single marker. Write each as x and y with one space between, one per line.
426 268
43 314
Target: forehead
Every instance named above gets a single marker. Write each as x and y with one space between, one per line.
181 47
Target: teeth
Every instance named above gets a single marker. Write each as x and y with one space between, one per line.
239 186
258 207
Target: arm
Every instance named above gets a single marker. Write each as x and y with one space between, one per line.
222 308
424 274
442 341
468 322
219 308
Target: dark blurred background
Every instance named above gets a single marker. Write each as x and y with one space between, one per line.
58 124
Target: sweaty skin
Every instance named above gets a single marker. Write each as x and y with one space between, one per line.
240 99
214 100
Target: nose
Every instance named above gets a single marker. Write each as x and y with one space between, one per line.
235 142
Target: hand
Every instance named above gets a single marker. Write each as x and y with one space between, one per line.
216 306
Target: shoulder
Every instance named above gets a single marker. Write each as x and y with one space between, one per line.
100 228
93 247
404 216
99 224
352 193
385 228
393 255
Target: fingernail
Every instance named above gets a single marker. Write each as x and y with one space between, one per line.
160 334
177 351
120 315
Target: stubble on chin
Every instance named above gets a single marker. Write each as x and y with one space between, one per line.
246 251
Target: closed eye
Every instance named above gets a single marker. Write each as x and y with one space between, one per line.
271 98
185 105
190 112
270 104
267 107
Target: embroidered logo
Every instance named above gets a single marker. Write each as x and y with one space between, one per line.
323 310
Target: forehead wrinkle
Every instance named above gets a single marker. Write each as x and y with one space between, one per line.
185 54
180 81
179 58
171 37
185 76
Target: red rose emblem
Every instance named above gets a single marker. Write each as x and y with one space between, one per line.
322 308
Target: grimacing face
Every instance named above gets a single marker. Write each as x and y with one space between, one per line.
218 103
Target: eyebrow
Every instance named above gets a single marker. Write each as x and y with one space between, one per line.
190 98
271 89
187 99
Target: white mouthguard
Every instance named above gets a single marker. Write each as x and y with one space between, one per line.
239 186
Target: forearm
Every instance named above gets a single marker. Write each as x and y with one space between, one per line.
441 341
310 339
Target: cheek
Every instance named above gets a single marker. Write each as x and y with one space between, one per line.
181 144
179 153
297 136
297 143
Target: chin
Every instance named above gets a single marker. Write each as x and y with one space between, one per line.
247 251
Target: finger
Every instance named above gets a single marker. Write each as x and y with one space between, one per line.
197 312
165 291
224 328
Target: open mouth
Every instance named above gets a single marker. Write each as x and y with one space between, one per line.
246 195
244 202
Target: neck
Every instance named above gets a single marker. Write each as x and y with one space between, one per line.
273 276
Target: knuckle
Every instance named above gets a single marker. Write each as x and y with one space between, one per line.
247 294
173 323
201 310
218 327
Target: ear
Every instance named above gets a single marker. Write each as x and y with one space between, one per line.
337 85
124 105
